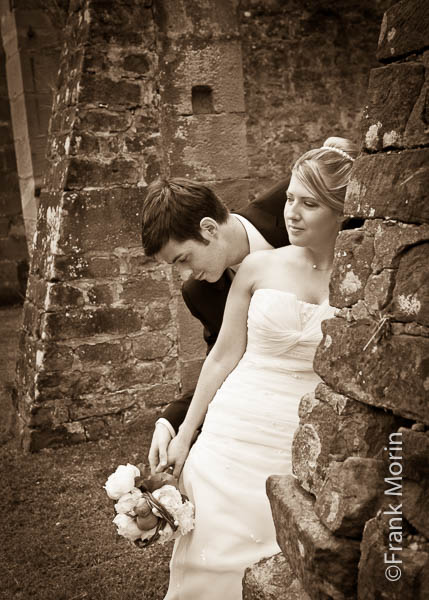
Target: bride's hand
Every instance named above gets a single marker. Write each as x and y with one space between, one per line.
178 451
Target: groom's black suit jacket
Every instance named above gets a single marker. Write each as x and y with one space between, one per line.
206 301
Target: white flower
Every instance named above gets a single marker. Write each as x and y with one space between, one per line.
121 481
185 517
167 534
127 502
182 512
127 527
168 496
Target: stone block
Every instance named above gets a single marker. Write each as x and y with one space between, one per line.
272 579
102 404
391 239
157 395
351 494
387 371
146 289
100 220
333 428
83 173
378 290
60 296
198 142
416 131
325 564
94 91
196 20
410 298
191 342
415 485
137 63
103 121
104 354
393 92
380 580
216 66
55 357
87 323
404 30
118 27
354 251
157 315
391 186
149 345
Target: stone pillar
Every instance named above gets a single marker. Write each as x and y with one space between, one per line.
31 43
13 247
361 453
98 346
203 124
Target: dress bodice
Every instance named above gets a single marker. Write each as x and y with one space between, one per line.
284 329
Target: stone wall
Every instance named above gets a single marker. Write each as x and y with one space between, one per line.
354 524
98 343
306 68
13 244
103 324
174 88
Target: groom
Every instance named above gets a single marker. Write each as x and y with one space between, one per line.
184 223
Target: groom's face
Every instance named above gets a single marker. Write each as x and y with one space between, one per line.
194 258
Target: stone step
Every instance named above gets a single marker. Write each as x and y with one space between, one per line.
325 564
272 579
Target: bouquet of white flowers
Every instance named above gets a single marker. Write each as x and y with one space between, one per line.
148 509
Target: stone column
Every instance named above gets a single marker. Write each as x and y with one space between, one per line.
98 347
31 44
13 246
203 124
354 523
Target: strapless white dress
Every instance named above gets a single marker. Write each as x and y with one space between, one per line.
247 436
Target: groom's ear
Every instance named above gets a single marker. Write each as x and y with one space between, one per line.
209 227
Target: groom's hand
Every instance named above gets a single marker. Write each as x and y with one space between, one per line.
178 451
158 449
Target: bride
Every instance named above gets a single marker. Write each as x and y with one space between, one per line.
251 384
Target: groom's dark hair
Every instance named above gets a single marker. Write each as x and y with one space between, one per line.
173 209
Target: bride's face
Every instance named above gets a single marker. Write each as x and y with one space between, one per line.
308 221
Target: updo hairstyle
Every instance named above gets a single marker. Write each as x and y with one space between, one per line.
326 171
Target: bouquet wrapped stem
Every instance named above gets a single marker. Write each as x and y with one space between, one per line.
148 509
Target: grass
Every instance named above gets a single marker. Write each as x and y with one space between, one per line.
57 541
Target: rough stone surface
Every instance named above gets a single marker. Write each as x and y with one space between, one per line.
351 495
391 186
392 95
272 579
300 61
380 369
415 456
325 564
332 428
352 266
90 362
391 239
410 297
404 30
373 582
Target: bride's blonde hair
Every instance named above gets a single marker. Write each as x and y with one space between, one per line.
326 171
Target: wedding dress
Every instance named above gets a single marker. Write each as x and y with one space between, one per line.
246 437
